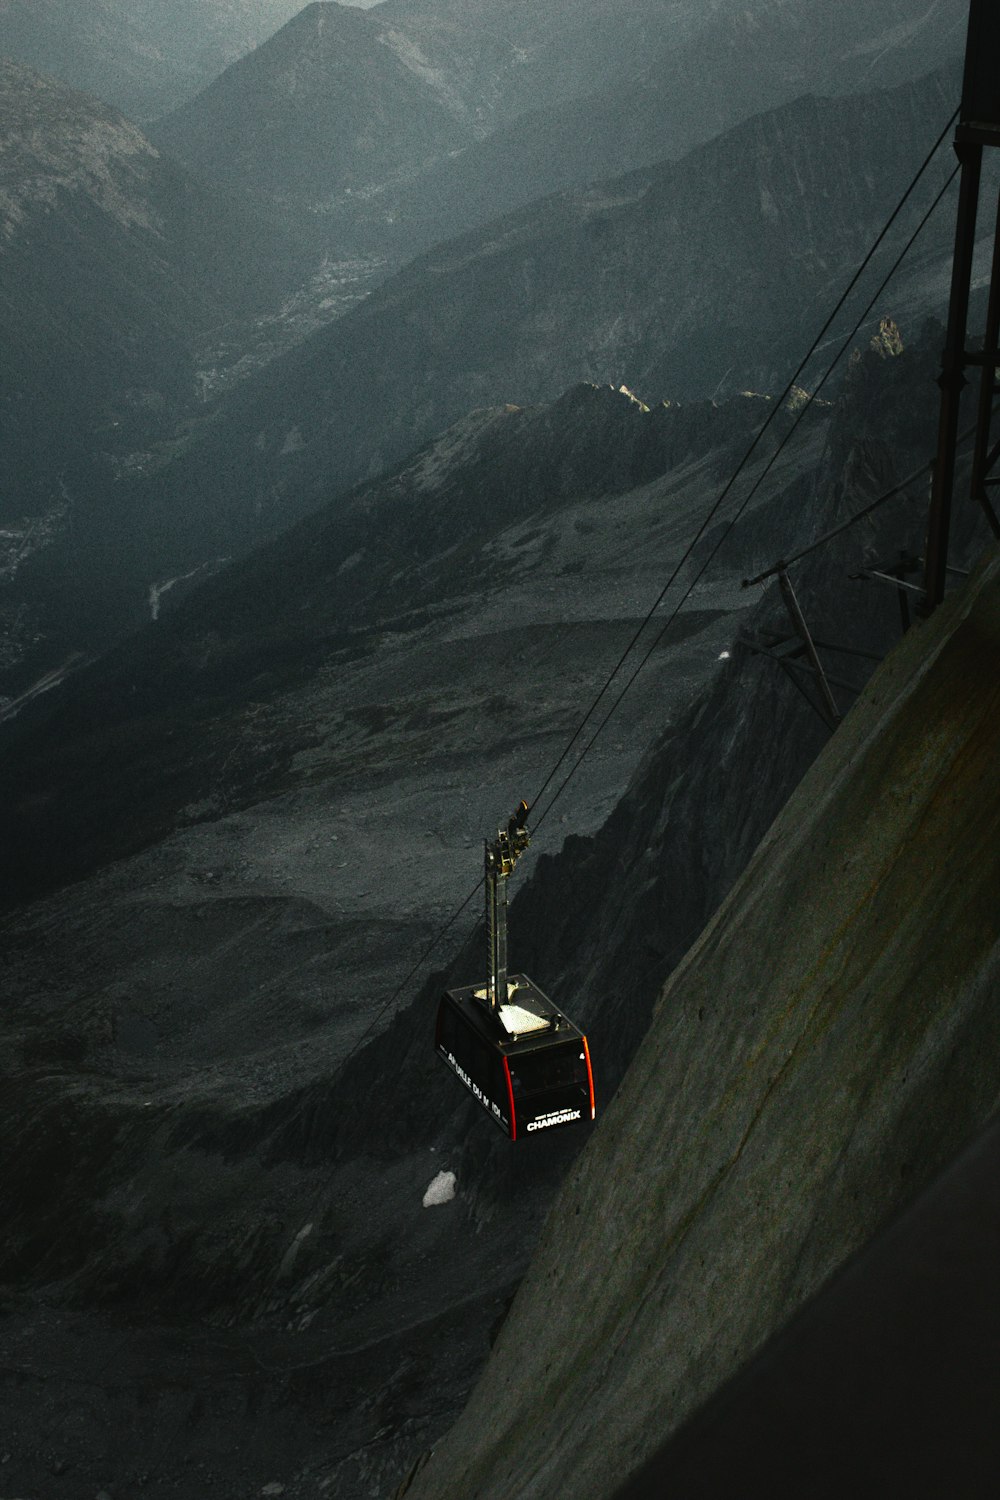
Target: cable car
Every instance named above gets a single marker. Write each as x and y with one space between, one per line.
515 1051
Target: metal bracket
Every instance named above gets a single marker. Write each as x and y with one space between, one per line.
798 656
896 574
978 130
499 859
832 713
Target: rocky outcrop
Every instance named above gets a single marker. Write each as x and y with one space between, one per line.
879 1380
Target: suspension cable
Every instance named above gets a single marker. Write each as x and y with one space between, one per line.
731 523
685 557
714 509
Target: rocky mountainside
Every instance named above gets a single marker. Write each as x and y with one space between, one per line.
712 273
205 1188
142 56
709 274
396 129
114 263
342 104
323 101
737 62
500 514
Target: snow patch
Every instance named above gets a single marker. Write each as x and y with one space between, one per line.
441 1190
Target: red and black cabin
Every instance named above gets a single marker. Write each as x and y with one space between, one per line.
526 1063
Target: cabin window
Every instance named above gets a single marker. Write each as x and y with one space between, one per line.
548 1068
475 1057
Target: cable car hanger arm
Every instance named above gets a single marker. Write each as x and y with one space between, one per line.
500 857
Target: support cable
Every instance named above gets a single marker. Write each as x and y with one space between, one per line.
685 557
714 509
699 573
410 973
829 536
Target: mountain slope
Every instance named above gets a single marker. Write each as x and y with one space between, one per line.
111 255
114 264
346 100
188 1141
881 1376
494 106
826 1047
321 100
142 56
740 63
712 271
494 519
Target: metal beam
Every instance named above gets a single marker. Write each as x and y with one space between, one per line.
802 631
979 127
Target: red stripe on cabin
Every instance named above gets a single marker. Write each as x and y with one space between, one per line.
510 1096
590 1077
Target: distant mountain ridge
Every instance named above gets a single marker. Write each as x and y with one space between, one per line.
322 95
347 100
143 56
415 120
679 281
107 247
713 270
114 262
